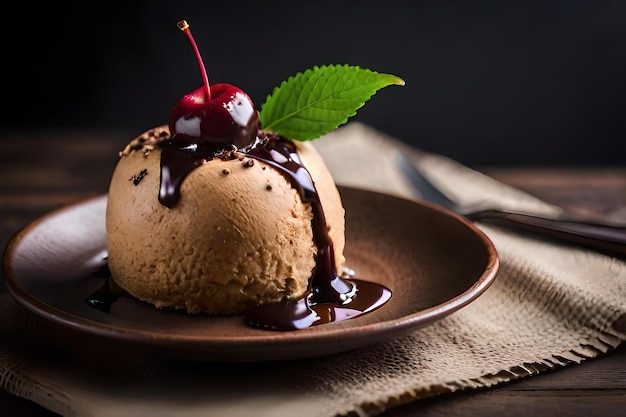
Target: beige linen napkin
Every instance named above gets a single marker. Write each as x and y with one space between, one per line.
550 306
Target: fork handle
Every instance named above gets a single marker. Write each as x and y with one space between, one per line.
603 237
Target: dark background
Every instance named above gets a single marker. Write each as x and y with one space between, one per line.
487 83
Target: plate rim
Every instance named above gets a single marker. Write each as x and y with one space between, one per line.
381 329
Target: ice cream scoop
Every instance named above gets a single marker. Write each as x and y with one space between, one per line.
239 235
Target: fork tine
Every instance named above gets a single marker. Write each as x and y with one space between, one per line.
425 188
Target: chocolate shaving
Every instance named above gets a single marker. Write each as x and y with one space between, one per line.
136 179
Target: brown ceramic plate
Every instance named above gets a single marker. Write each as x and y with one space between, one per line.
434 261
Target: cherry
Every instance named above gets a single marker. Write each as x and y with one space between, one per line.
221 114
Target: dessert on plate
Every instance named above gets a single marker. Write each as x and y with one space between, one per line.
230 210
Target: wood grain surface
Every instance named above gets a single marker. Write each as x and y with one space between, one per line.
43 170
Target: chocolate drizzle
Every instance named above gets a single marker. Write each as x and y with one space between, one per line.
176 164
105 296
328 292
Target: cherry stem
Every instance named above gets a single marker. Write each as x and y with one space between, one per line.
184 26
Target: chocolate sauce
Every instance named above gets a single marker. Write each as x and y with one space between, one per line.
105 296
330 297
176 164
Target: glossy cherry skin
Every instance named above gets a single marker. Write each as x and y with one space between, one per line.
228 118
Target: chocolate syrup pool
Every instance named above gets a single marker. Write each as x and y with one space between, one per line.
330 297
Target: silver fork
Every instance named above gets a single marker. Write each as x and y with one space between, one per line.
605 237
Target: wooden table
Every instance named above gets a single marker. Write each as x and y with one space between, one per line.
40 171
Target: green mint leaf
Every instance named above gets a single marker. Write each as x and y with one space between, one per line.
318 100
